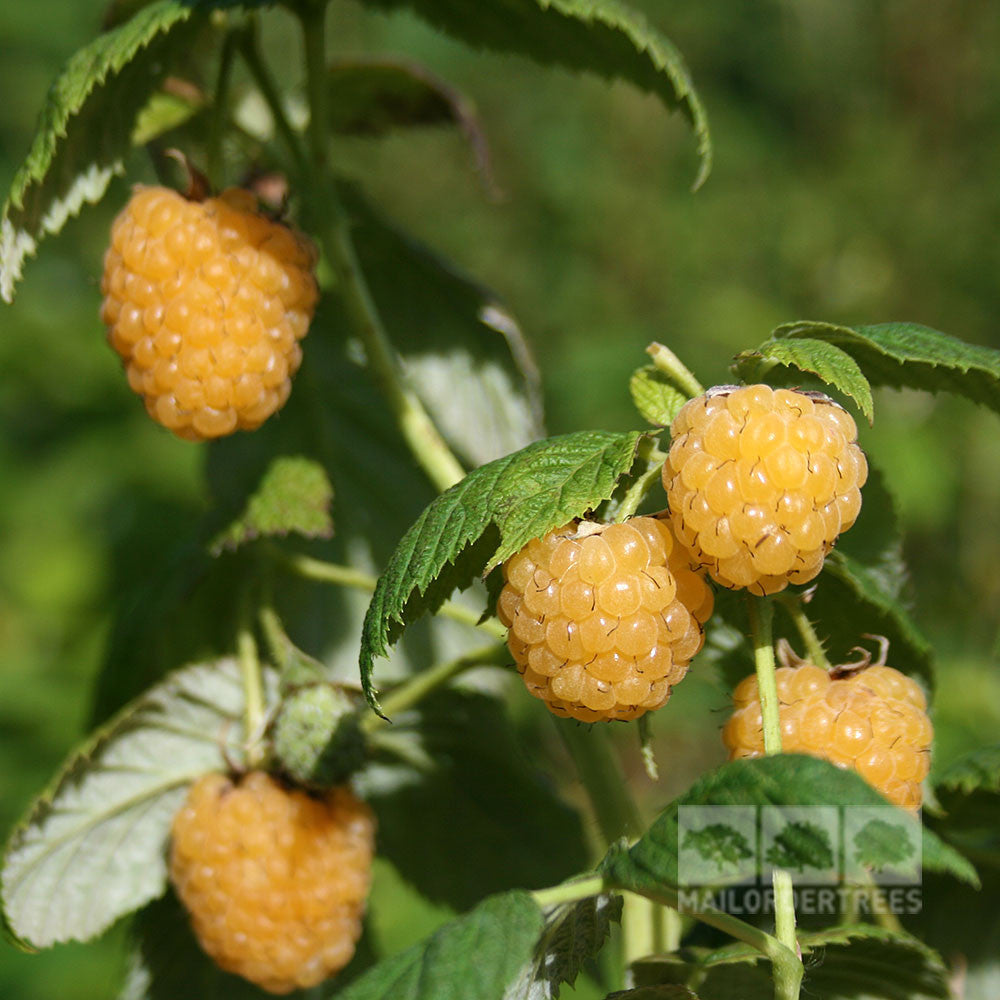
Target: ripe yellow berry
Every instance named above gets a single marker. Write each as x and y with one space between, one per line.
873 721
604 619
275 880
206 303
761 482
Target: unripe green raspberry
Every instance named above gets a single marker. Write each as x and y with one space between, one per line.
761 482
316 736
873 721
604 619
206 302
274 879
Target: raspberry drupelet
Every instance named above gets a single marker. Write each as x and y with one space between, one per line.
872 720
604 619
275 879
761 482
206 302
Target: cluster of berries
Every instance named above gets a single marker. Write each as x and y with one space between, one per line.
206 302
604 619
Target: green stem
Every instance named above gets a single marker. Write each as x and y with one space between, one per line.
250 50
312 17
326 572
418 687
667 362
571 892
761 621
220 108
638 490
253 694
614 809
796 611
418 430
786 963
333 225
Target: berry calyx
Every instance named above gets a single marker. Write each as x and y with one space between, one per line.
761 482
206 302
275 879
604 618
869 718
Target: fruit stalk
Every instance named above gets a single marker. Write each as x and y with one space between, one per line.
418 687
250 51
667 362
253 693
786 979
796 611
345 576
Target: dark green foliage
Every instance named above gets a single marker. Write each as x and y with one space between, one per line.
475 957
460 787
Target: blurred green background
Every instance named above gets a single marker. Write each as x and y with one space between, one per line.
857 150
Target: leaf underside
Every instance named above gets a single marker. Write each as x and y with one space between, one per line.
294 495
86 127
93 846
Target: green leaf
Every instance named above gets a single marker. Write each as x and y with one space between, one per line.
825 360
462 351
85 129
665 991
978 771
851 598
92 847
846 961
656 398
862 589
467 781
574 933
964 924
784 780
373 95
875 966
968 792
294 495
908 354
475 957
481 521
168 108
599 36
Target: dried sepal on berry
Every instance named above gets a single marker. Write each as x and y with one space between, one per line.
761 482
604 619
866 717
274 878
206 302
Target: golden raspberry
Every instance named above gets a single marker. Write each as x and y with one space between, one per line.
275 880
206 303
761 482
604 619
873 721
